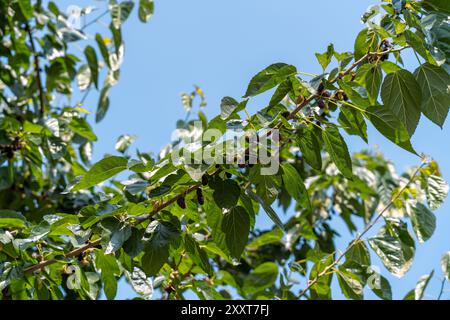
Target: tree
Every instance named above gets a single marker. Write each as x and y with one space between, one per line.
185 221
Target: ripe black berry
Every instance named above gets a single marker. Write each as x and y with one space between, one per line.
321 104
205 179
181 203
228 175
326 94
320 88
200 198
286 114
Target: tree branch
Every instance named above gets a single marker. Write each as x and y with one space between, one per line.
138 220
366 229
144 217
72 253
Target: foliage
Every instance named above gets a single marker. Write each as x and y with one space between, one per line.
70 230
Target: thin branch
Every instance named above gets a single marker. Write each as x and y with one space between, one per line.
94 20
442 288
38 71
138 220
72 253
344 73
366 229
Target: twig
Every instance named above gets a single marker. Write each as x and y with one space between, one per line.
442 288
72 253
138 220
94 20
366 229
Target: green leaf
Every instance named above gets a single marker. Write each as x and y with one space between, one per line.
325 58
140 283
418 45
423 221
373 82
100 171
124 141
262 277
321 289
162 234
387 123
338 151
156 250
283 89
402 94
120 12
389 67
266 185
295 186
226 192
421 285
236 227
435 83
269 237
269 78
394 247
365 42
119 234
146 9
267 208
103 49
436 191
437 5
153 259
82 128
107 266
350 284
91 58
197 254
103 104
358 254
310 147
380 286
353 95
228 106
11 219
445 264
26 8
352 121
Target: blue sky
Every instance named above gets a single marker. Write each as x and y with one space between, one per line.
220 45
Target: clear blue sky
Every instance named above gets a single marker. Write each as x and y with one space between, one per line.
220 45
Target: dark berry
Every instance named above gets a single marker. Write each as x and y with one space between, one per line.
326 94
242 165
228 175
286 114
181 203
321 87
321 104
205 179
200 198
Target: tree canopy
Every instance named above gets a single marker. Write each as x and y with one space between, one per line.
185 220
